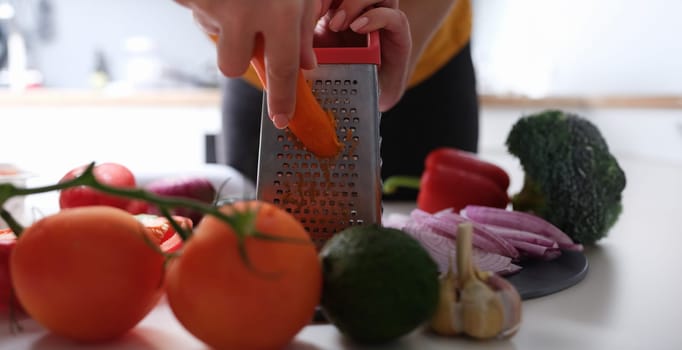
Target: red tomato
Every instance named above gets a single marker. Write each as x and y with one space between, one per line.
87 273
112 174
7 242
218 298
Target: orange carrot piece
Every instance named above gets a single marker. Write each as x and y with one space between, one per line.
314 127
311 124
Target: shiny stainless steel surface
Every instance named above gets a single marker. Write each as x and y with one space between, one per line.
328 195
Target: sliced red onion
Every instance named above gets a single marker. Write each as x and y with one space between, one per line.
552 253
511 234
483 238
442 251
521 221
532 250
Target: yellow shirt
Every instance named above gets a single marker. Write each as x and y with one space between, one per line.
452 36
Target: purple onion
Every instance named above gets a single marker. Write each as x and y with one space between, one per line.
197 188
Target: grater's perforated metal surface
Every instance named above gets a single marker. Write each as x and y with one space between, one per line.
328 196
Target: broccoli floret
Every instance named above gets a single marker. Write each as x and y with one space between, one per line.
571 178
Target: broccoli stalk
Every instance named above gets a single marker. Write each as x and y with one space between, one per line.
571 178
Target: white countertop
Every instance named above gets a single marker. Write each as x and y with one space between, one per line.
628 300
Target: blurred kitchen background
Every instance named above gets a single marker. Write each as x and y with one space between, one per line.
136 82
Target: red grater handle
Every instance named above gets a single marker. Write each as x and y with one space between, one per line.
369 54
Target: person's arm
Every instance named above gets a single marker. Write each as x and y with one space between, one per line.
424 22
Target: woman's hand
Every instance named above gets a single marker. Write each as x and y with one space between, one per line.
364 16
287 30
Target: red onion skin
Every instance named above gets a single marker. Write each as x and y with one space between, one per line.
196 188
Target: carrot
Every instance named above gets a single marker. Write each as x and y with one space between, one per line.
312 125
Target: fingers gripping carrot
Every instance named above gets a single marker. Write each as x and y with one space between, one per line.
311 124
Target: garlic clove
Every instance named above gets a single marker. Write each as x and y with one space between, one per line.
444 321
482 310
511 300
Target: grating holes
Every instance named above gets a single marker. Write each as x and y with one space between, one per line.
354 194
356 138
280 156
353 212
355 157
353 92
344 111
353 111
337 82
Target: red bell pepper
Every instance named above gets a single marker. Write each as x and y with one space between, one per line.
453 179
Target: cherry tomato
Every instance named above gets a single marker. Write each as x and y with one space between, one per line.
112 174
87 273
230 305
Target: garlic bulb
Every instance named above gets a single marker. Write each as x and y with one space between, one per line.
476 303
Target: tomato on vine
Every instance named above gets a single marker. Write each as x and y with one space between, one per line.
112 174
250 285
88 274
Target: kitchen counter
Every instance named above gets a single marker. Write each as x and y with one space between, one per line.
211 98
626 301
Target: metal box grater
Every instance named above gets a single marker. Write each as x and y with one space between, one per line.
329 195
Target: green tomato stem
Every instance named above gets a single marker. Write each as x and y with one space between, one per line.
87 178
